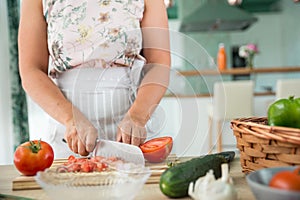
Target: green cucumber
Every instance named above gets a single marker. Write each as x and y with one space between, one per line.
174 181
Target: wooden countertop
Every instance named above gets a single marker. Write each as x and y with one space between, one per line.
149 191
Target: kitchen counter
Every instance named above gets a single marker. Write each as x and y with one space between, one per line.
149 191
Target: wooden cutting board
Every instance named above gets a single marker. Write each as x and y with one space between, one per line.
28 182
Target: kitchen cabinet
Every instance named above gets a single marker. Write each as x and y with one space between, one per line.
265 6
185 118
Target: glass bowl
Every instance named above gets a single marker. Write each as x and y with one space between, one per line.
118 184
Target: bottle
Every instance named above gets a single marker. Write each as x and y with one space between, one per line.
221 59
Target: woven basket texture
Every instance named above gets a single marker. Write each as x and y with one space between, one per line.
263 146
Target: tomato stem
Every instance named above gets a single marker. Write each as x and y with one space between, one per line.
34 148
291 98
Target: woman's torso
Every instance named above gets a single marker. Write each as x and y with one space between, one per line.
92 33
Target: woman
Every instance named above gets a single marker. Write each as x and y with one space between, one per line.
80 61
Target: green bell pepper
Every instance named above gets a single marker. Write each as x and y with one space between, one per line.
285 112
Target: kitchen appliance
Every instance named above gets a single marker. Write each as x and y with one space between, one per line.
217 15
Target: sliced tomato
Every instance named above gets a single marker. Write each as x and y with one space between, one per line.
97 158
71 158
101 167
158 149
74 167
85 167
84 164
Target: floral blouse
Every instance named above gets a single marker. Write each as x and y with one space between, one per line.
92 33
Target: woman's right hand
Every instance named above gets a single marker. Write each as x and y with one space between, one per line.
81 135
33 62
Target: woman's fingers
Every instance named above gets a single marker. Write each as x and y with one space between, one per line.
91 138
70 135
131 133
138 135
86 131
126 134
82 149
81 143
135 141
75 145
119 136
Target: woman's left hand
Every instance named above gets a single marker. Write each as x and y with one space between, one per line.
156 50
131 131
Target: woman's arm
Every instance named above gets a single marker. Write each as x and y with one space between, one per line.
33 63
156 50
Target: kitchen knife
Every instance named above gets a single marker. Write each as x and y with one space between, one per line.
126 152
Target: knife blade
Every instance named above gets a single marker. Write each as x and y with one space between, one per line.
126 152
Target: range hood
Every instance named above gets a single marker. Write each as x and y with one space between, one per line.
216 15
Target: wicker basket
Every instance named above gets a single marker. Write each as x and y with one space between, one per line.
263 146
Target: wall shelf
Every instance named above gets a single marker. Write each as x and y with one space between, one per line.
234 71
210 95
240 71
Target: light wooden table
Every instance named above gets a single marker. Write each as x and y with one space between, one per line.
149 191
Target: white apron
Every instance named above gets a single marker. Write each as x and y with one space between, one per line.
103 95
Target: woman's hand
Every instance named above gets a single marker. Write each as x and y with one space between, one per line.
33 62
131 130
80 134
156 50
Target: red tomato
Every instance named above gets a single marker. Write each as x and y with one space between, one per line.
33 156
287 180
297 171
157 149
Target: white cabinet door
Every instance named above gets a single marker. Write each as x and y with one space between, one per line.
186 121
